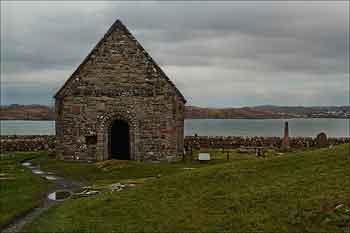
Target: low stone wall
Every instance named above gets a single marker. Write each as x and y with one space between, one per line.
273 142
26 143
38 142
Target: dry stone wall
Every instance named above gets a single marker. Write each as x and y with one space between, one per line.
39 142
273 142
26 143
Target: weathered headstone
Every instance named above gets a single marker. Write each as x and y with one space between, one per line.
285 141
321 140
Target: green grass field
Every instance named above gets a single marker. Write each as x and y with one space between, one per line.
296 192
20 190
111 171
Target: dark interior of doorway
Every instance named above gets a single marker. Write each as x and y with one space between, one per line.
119 140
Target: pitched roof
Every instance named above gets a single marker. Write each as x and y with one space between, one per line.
120 25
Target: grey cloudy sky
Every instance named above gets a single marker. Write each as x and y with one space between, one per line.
217 53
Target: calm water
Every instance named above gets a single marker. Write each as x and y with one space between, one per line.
213 127
27 127
270 127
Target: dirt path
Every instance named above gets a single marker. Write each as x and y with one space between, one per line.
60 184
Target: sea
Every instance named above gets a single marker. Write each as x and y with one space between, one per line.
309 127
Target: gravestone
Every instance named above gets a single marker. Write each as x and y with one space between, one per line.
285 141
321 140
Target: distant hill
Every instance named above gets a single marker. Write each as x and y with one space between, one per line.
40 112
26 112
193 112
268 112
303 110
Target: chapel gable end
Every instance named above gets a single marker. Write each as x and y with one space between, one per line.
116 64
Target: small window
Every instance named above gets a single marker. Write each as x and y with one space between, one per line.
91 140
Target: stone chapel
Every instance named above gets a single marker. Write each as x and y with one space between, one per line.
119 104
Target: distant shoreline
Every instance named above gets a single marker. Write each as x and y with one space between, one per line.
211 127
277 118
290 118
46 113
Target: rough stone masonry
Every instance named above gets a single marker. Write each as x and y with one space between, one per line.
119 82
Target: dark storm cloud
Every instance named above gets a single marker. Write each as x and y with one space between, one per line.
247 53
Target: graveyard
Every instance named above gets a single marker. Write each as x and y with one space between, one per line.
174 116
300 190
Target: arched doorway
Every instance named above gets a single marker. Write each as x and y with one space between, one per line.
119 143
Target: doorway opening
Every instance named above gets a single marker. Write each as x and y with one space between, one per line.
119 140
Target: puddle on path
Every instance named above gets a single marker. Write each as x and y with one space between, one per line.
38 172
52 198
52 177
60 195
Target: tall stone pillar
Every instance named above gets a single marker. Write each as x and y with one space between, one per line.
285 141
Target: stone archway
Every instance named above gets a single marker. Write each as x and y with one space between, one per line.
106 121
119 140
